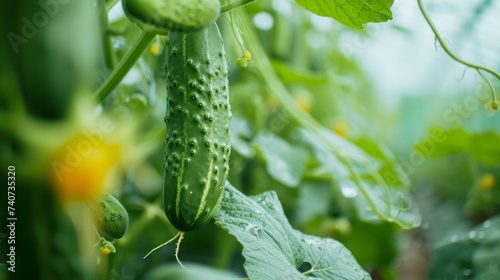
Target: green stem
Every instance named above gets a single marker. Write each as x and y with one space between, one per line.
124 66
447 50
109 55
236 33
150 212
490 86
233 5
315 175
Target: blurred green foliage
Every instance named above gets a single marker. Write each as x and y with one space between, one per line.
437 155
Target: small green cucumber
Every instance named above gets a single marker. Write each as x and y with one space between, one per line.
160 16
110 217
197 118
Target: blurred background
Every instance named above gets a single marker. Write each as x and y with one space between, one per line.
388 95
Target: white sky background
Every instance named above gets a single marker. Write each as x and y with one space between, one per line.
407 63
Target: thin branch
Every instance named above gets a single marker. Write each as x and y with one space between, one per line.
233 5
447 50
124 66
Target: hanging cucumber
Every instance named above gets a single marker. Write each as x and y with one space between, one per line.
159 16
197 118
110 217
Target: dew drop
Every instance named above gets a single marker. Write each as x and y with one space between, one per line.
472 234
487 224
253 229
454 238
348 191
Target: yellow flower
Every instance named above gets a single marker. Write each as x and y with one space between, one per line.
105 251
81 168
154 49
303 103
487 181
341 128
247 56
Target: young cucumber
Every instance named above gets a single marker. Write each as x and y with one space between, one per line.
197 118
158 16
110 217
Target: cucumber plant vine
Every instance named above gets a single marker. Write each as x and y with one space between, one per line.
450 53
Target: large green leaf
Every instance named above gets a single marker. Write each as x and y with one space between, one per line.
360 186
285 162
241 133
353 13
388 168
294 75
273 249
481 146
315 191
470 255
